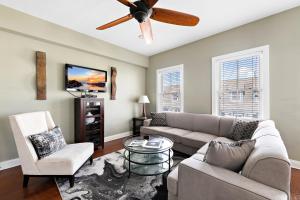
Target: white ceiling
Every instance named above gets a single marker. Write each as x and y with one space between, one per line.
85 15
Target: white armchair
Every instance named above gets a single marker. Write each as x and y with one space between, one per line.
63 163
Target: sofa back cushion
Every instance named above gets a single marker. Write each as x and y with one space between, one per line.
225 126
269 163
194 122
180 120
206 124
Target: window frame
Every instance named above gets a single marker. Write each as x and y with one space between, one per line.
264 77
158 85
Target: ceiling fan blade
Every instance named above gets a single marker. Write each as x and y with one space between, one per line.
116 22
150 3
147 31
127 3
174 17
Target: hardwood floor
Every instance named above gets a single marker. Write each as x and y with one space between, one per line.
295 185
45 188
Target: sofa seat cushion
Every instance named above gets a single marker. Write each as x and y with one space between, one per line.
172 182
203 149
67 160
198 156
174 134
153 130
197 139
184 148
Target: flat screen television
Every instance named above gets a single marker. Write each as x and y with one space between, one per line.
78 78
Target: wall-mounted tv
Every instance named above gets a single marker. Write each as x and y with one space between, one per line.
78 78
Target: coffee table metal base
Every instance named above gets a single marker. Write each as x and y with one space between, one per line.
148 164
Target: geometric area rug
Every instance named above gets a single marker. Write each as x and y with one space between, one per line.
107 179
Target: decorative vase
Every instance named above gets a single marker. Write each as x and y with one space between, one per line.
89 118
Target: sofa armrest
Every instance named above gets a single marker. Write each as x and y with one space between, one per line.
147 122
199 180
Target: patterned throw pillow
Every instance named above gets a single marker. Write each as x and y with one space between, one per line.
243 130
158 119
47 142
229 156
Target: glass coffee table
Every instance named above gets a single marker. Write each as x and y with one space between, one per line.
148 161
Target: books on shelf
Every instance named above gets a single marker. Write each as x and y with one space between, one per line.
155 144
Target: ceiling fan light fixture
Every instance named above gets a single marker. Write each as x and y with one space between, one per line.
143 11
147 31
148 41
141 16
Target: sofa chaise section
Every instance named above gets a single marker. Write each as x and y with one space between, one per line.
265 175
198 180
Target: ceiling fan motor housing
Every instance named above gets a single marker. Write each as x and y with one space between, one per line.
141 12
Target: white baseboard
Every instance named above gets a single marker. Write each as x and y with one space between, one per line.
9 164
16 162
117 136
295 164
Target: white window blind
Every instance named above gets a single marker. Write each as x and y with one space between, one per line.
241 84
170 89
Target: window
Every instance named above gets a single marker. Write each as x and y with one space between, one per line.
240 84
237 96
170 89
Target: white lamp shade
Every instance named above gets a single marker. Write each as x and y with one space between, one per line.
144 99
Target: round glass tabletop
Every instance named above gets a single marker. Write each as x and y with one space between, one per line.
166 144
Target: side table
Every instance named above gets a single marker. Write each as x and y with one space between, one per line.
138 122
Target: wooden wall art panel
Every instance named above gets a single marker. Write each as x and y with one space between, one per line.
113 83
41 75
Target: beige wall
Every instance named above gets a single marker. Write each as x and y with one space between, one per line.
281 32
17 77
15 21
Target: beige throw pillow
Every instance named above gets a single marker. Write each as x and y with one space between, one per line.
229 156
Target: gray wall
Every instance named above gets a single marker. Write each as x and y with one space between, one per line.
17 76
281 32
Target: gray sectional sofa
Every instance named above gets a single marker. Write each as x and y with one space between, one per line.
265 175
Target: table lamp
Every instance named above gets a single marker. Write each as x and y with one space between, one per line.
144 99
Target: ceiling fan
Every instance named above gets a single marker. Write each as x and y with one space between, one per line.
142 11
